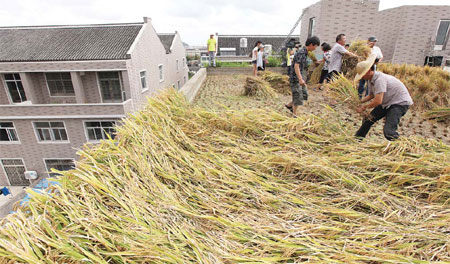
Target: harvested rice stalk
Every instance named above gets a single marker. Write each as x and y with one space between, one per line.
343 90
180 184
258 88
315 75
279 82
440 114
360 48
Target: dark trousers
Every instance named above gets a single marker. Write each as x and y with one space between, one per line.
392 114
331 75
363 87
323 76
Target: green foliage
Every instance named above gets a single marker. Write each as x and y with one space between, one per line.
274 61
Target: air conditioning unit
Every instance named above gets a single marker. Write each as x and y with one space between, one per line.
31 175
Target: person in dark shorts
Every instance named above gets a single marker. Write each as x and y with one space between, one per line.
299 73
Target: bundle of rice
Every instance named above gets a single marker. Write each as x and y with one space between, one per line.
184 185
360 48
315 74
429 86
258 88
279 82
344 91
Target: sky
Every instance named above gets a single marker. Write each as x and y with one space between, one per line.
193 19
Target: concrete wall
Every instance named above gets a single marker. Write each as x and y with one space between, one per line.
408 33
351 17
192 87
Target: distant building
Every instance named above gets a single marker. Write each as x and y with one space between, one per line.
193 51
63 86
242 45
407 34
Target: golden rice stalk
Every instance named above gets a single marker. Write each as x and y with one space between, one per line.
315 75
258 88
441 114
279 82
360 48
343 90
181 184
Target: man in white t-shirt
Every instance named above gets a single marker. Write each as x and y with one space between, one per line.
379 57
337 52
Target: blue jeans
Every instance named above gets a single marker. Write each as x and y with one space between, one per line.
361 87
212 58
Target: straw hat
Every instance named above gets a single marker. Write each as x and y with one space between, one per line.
364 66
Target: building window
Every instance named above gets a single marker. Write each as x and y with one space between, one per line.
143 76
50 131
60 84
178 67
311 27
8 132
161 72
99 130
15 88
442 34
178 85
111 87
184 63
59 165
243 43
184 78
15 171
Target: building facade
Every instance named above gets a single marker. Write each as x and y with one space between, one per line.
63 86
242 45
407 34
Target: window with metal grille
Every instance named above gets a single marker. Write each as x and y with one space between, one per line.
8 132
99 130
59 165
60 84
15 171
15 88
50 131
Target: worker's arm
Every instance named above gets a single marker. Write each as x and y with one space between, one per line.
351 54
377 100
299 75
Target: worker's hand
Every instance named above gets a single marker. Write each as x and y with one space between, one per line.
302 82
361 109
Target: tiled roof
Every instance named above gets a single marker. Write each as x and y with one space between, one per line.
233 41
67 43
166 40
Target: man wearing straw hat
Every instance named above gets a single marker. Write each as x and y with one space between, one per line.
388 97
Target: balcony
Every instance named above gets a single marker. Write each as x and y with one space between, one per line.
59 111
